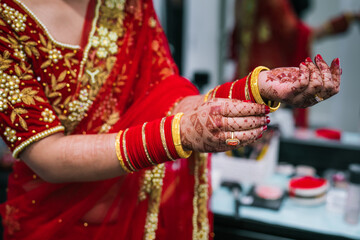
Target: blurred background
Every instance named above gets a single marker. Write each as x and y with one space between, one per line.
302 180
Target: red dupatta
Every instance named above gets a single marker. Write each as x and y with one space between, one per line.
169 201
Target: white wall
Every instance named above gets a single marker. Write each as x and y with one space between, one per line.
201 38
343 110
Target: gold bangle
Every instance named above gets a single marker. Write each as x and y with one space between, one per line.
270 105
207 95
163 139
254 84
231 89
255 88
118 152
145 145
175 130
125 152
247 94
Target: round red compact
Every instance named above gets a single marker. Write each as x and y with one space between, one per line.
308 190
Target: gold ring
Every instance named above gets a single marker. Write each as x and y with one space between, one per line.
318 99
232 141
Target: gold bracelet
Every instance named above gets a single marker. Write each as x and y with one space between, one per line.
145 145
125 152
207 95
247 94
270 105
231 89
255 88
118 152
254 84
163 139
175 130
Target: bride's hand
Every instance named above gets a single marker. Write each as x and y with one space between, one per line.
206 128
303 86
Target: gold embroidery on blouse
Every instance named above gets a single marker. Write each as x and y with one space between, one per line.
22 46
10 134
10 94
54 55
48 115
13 17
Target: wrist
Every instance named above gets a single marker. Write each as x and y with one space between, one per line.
263 86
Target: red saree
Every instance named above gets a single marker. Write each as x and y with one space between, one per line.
120 76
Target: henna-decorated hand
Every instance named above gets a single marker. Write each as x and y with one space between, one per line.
206 128
300 86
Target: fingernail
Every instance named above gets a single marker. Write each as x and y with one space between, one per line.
259 136
303 63
267 119
264 128
308 59
319 57
267 110
337 61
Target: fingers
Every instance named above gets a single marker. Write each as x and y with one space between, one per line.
324 81
243 123
245 137
304 76
236 108
336 74
315 82
328 88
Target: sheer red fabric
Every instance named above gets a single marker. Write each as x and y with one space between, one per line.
121 76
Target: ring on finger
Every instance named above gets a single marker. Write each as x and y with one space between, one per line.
318 98
232 141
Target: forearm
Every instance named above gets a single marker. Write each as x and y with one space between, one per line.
60 158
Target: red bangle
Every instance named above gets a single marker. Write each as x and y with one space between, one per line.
223 90
142 146
153 139
169 138
234 89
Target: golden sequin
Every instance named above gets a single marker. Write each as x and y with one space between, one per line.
48 115
13 17
10 134
9 90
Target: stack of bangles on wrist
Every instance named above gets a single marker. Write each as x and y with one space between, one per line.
150 144
246 89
